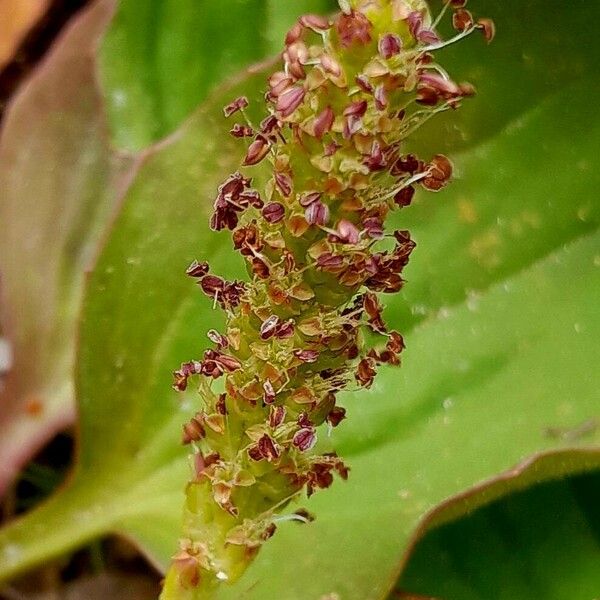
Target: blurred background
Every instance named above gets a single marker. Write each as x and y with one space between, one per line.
475 467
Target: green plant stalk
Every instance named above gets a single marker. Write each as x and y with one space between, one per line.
351 91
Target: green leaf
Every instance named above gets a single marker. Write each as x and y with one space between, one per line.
541 47
537 544
60 181
177 51
492 396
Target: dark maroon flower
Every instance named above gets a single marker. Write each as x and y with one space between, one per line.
294 34
381 99
389 45
229 363
374 227
217 338
336 416
212 285
329 261
197 269
265 448
285 329
310 197
376 161
304 421
428 36
404 196
270 125
181 376
395 343
365 372
356 109
233 107
273 212
415 23
438 174
305 439
278 83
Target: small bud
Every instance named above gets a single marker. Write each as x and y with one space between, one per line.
354 28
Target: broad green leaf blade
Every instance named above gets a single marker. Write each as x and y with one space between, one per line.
541 47
537 544
531 188
177 51
59 183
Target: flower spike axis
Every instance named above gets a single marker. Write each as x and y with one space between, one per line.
349 93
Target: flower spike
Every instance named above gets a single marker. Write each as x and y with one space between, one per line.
350 92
